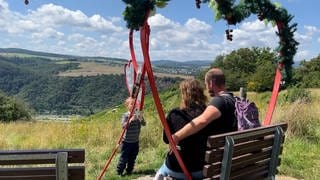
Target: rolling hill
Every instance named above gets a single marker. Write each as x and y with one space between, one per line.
63 84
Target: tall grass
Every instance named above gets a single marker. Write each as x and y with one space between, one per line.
98 134
302 147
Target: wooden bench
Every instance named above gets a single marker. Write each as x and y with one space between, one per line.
42 164
248 154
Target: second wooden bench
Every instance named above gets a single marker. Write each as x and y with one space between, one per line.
58 164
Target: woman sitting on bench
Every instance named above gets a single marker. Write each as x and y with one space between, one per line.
192 149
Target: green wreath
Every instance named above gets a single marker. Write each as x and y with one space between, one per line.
135 13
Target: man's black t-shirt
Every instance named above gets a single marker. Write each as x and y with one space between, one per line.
227 122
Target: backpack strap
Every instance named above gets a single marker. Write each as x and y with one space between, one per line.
228 97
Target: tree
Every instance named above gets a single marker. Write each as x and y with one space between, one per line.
12 110
262 79
308 74
250 68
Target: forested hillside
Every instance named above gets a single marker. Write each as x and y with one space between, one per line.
35 80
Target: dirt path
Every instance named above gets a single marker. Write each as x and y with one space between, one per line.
285 178
145 178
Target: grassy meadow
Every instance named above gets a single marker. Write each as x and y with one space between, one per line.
99 133
98 68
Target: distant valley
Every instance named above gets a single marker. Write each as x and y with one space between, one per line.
66 84
92 66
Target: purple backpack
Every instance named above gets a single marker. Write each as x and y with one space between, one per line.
247 114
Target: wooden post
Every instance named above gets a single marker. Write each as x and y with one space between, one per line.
243 93
62 166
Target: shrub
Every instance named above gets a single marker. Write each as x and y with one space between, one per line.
302 120
264 97
298 94
12 110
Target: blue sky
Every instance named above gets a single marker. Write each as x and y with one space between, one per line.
179 31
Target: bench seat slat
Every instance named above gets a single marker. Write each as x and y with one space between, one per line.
41 177
251 171
215 169
219 140
74 172
42 164
74 156
215 155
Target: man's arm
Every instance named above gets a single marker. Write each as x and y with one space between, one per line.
210 113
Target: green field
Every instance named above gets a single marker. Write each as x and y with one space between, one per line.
98 134
95 68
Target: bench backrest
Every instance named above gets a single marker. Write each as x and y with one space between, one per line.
42 164
248 154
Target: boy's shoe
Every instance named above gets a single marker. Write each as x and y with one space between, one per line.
119 173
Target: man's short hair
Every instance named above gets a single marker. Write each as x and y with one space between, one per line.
216 76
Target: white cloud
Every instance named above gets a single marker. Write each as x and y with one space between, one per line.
308 36
254 26
12 44
303 38
303 55
8 20
54 16
3 5
311 30
75 37
251 34
47 33
58 29
308 40
172 40
255 33
197 26
99 23
159 23
62 30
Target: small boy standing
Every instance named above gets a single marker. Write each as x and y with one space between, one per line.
130 142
